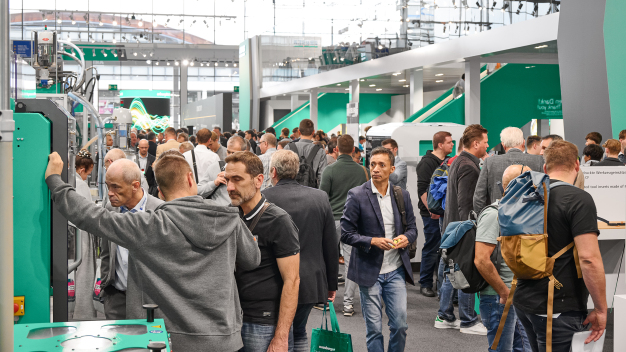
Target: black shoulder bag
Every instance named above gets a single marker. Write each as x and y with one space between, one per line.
397 192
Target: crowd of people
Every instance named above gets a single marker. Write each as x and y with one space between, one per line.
237 236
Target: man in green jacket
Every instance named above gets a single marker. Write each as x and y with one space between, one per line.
337 180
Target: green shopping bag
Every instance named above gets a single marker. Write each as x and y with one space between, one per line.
324 340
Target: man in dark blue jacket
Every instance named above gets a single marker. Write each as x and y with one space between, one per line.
380 263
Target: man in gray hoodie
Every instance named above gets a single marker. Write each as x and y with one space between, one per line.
185 253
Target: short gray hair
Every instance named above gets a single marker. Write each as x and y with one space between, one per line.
270 139
286 164
130 171
242 142
185 147
114 154
511 137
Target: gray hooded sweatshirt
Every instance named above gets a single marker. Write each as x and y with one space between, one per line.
185 253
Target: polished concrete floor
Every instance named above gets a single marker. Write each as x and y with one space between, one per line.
421 335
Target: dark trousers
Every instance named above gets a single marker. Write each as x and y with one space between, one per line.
430 252
114 303
298 339
563 329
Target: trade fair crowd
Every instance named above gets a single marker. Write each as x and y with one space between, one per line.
237 236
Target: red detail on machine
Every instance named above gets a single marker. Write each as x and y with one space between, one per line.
45 39
16 307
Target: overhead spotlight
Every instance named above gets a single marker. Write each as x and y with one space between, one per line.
185 62
380 47
93 52
176 63
156 63
216 63
406 86
148 61
480 7
114 40
191 63
134 53
151 54
408 20
100 20
439 81
72 18
372 85
192 23
493 5
202 64
43 16
133 17
505 6
167 62
114 23
122 53
338 84
86 17
140 24
59 21
444 28
235 64
439 74
104 53
226 64
378 89
411 31
402 80
114 53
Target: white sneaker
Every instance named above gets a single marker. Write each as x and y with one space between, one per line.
443 324
478 329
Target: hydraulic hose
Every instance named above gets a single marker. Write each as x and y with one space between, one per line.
81 76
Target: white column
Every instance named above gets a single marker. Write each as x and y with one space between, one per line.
183 95
352 120
416 95
472 92
294 102
313 107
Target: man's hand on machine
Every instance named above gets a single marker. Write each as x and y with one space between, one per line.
55 165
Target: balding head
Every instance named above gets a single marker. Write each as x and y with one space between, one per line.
236 144
143 147
123 180
511 173
113 155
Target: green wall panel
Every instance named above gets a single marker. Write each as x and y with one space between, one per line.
31 216
511 96
245 88
615 51
332 110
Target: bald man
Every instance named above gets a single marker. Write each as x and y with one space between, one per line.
174 259
492 298
118 288
144 161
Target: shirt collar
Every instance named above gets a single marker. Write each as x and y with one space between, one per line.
285 181
375 190
270 150
254 211
141 206
514 150
344 157
202 146
472 157
305 140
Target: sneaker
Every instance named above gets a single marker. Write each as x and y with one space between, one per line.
348 311
427 291
320 306
478 329
444 324
341 280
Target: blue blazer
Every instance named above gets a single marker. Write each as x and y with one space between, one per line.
362 220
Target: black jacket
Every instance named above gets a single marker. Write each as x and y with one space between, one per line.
310 210
609 162
425 168
152 147
462 179
152 185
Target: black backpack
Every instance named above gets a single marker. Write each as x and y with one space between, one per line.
459 258
306 173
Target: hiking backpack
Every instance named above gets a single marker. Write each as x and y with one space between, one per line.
436 193
457 249
523 219
306 173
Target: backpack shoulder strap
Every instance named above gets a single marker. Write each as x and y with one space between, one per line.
258 216
195 168
397 192
312 154
505 313
294 148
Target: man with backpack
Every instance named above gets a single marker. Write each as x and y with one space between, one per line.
572 217
312 157
442 145
462 178
493 298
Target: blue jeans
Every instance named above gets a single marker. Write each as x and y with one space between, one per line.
467 313
430 251
298 339
563 329
513 336
391 287
256 337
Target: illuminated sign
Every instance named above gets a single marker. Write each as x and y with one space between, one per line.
142 119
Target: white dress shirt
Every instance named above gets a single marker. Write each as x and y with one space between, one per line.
121 256
266 159
204 158
391 260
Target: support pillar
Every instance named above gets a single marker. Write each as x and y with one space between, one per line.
183 95
294 102
176 101
352 119
543 127
472 92
416 96
313 107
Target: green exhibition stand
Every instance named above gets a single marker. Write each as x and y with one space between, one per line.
32 216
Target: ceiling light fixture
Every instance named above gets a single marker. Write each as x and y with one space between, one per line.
406 86
378 89
86 17
541 46
338 84
156 63
104 53
439 74
100 20
439 81
134 53
235 64
59 21
372 85
167 62
176 63
185 62
402 80
114 23
216 63
505 6
148 61
480 7
191 63
72 18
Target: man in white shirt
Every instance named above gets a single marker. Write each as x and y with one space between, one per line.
268 147
201 157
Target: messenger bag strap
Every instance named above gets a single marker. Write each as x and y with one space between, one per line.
195 168
397 192
505 313
258 216
550 310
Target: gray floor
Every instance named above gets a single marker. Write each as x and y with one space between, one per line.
421 336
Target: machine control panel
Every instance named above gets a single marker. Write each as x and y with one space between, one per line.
18 306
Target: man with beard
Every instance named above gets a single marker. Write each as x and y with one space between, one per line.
269 293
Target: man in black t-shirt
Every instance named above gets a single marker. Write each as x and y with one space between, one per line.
571 217
269 293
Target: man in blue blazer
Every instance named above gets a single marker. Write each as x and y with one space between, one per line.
380 263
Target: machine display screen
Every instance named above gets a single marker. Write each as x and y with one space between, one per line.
149 113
